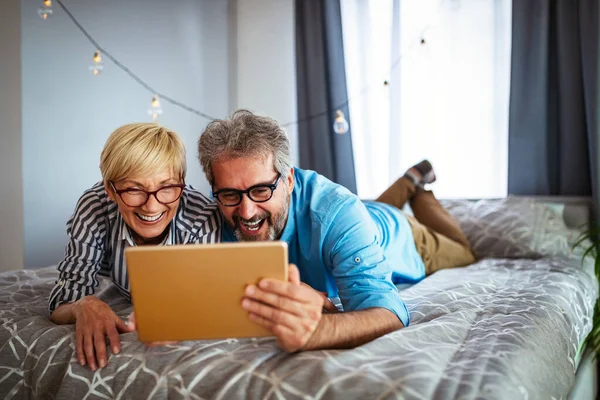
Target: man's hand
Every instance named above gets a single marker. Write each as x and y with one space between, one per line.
94 321
328 305
291 310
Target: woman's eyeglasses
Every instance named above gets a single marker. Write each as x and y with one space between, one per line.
134 197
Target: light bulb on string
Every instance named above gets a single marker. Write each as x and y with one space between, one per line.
340 125
97 65
45 11
425 50
155 109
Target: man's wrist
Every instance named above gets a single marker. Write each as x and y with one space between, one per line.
351 329
315 339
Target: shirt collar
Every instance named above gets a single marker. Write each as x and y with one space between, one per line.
179 215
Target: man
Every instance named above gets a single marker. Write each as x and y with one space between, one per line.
341 246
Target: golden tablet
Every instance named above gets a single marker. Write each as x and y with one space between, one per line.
191 292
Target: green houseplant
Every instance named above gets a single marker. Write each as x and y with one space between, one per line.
589 240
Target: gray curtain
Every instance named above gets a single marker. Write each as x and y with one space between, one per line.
321 80
553 128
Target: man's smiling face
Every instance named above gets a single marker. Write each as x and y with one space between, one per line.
250 220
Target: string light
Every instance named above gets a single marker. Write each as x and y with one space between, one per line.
421 40
155 109
340 125
45 11
97 66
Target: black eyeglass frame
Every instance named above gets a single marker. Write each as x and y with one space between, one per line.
119 193
247 192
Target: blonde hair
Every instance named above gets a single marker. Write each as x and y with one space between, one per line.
142 149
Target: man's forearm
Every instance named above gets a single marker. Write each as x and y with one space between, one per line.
351 329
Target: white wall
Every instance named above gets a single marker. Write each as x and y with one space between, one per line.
213 55
11 198
264 49
180 48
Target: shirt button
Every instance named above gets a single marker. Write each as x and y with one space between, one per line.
357 260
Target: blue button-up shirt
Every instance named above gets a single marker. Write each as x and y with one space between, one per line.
348 248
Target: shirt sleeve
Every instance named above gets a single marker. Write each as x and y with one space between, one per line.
358 264
209 232
83 254
203 218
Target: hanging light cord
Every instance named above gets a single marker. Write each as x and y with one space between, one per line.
127 70
198 112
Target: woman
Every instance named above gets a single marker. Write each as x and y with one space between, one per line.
142 200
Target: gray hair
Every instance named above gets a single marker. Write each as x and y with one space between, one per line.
241 135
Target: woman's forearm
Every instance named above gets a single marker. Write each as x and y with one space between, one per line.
64 314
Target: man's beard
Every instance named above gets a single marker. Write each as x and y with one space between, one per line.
276 224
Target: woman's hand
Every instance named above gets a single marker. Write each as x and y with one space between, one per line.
94 321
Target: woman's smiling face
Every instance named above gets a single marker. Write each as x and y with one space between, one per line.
150 220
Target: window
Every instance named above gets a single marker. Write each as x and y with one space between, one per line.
447 69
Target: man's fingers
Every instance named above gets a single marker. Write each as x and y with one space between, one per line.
88 347
79 347
287 339
278 329
100 347
271 314
306 285
300 293
113 338
261 321
293 274
285 335
277 301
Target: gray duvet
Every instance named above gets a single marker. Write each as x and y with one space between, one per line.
499 329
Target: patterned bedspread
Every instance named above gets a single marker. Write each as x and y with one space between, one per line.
499 329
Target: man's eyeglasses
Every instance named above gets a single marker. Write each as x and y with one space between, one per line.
256 193
134 197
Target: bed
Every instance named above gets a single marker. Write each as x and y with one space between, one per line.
510 326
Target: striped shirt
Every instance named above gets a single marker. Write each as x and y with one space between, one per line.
98 237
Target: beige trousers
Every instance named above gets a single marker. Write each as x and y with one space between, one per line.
438 237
